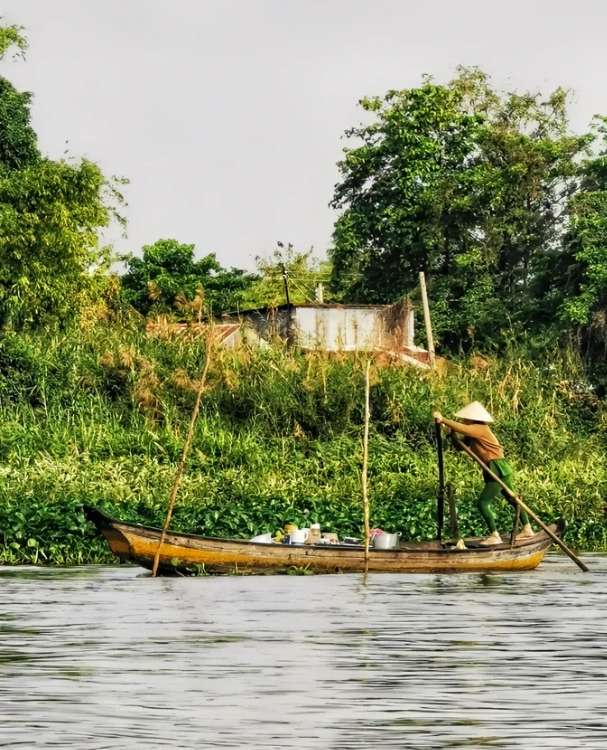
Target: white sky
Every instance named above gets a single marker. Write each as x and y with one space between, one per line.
226 115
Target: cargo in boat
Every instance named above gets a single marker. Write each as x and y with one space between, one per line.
134 543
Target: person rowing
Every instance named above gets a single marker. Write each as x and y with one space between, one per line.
474 426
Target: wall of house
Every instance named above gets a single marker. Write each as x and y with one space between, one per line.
337 327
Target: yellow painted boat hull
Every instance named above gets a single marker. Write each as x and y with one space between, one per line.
138 544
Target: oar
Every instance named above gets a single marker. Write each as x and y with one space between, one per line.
453 524
521 504
365 466
440 505
184 456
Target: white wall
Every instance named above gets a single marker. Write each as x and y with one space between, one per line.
339 329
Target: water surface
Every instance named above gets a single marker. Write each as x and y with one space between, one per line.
103 657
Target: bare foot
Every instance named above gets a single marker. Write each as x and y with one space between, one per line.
492 539
525 533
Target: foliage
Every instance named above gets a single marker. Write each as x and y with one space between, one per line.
50 213
98 417
18 145
50 216
301 271
581 279
397 189
573 281
18 142
12 36
465 184
168 272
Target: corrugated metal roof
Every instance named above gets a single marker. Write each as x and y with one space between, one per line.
221 331
319 305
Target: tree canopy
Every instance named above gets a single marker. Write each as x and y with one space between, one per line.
50 216
462 182
578 274
303 274
168 272
12 36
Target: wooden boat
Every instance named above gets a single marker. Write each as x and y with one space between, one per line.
182 552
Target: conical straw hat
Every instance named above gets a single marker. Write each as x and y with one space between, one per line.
475 411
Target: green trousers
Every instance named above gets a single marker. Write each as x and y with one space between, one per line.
492 490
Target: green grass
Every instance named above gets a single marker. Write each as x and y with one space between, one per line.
98 417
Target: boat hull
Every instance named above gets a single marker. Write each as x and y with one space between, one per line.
138 544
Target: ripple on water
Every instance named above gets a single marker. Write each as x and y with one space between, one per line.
106 657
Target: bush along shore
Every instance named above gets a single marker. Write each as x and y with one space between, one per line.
98 416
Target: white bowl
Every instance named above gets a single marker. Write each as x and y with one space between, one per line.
262 539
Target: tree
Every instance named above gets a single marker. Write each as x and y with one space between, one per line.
168 271
303 274
50 216
464 183
576 277
530 168
10 37
18 142
404 191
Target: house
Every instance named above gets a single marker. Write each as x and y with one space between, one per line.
334 328
227 335
317 326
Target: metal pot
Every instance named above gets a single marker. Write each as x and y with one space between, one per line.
386 541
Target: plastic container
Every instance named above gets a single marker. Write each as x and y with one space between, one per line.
314 536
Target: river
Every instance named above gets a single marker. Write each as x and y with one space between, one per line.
107 657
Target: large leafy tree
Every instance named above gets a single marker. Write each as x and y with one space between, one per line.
575 282
529 163
18 142
461 182
405 192
167 272
50 216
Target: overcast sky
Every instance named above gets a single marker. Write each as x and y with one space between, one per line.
226 115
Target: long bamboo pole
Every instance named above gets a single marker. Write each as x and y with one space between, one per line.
184 456
366 463
427 319
521 504
440 505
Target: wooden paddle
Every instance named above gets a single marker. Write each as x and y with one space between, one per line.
184 456
366 464
521 504
440 505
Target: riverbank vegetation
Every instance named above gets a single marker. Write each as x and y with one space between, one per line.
97 416
489 193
